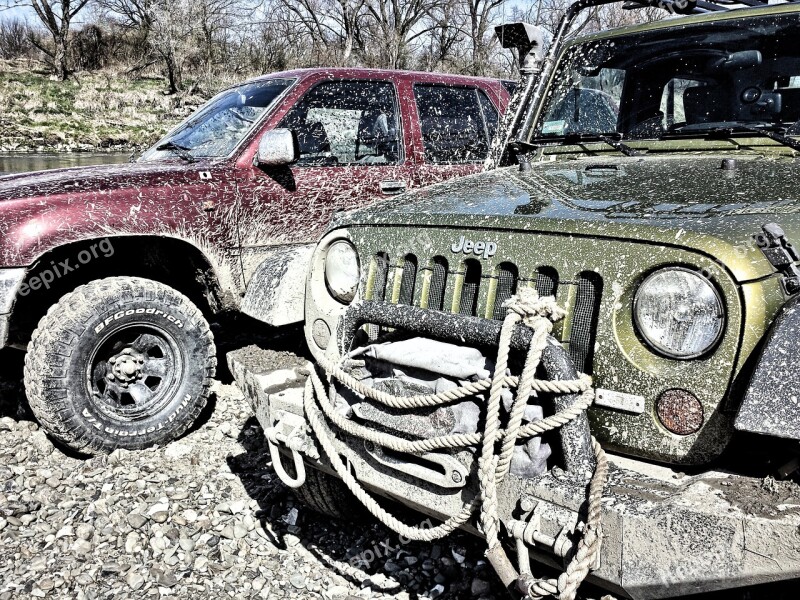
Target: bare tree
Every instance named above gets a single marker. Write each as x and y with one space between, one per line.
394 26
14 38
446 36
180 33
333 24
56 16
481 33
213 42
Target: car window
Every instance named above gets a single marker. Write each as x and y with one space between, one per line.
490 116
715 75
453 123
590 105
346 123
673 108
217 128
511 86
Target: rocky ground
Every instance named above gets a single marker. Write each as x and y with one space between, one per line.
203 517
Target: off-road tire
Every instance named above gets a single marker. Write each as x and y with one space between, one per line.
327 495
62 384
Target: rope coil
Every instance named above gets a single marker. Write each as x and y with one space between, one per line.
539 314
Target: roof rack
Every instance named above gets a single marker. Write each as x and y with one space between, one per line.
695 7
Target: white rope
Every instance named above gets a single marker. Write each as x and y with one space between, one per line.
493 464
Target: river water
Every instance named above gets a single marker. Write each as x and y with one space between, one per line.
21 162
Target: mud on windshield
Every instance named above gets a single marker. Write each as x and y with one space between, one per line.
688 80
220 125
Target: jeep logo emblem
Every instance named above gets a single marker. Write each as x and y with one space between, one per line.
483 249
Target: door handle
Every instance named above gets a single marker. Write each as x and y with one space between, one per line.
390 188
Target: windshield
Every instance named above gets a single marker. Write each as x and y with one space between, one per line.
218 127
682 81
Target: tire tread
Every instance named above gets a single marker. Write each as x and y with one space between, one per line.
56 334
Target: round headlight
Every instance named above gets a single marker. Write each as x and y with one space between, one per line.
342 271
679 313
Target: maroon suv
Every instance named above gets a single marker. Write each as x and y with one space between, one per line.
110 273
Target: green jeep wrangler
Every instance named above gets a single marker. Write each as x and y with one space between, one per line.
628 247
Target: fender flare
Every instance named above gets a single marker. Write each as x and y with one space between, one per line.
771 404
276 292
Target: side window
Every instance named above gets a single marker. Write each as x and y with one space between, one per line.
346 123
490 116
454 129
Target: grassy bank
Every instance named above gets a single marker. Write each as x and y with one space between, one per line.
97 111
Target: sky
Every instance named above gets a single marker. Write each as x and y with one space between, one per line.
13 13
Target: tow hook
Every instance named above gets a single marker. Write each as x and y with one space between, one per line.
288 430
277 462
781 254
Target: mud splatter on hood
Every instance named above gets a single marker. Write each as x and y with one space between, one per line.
102 178
686 200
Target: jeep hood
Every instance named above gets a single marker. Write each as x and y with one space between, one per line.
103 178
685 201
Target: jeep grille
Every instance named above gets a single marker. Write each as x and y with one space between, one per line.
438 285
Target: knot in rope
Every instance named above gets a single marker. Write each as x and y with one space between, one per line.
497 441
533 308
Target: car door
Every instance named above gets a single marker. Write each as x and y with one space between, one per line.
456 125
352 153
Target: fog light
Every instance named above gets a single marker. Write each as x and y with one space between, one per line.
680 412
321 334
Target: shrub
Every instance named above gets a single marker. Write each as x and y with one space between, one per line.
15 39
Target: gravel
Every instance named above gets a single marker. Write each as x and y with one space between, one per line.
203 517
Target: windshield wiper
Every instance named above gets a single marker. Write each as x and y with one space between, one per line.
611 139
178 150
728 132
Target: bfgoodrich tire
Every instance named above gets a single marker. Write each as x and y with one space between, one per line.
122 362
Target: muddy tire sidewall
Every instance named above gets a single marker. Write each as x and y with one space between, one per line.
65 350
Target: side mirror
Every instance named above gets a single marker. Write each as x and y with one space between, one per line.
527 39
277 147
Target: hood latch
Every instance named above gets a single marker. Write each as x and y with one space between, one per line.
781 254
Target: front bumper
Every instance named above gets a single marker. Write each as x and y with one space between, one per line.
665 534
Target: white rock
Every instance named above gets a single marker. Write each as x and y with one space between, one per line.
65 531
177 450
190 515
157 508
201 564
291 517
131 542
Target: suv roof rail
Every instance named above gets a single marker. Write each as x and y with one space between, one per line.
694 7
